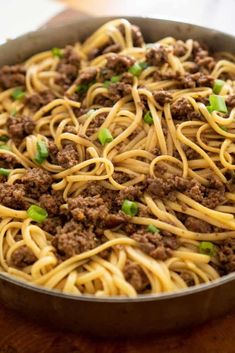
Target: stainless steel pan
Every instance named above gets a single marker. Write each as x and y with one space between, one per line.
117 316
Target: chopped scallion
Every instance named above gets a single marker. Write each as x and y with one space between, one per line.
4 171
152 229
218 86
4 138
218 103
148 118
57 52
144 65
18 94
37 213
105 136
207 248
42 152
224 128
5 147
115 79
130 208
106 84
135 69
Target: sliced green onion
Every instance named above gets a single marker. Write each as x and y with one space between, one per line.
83 88
105 136
42 152
18 94
4 171
152 229
218 86
224 128
130 208
209 108
144 65
4 138
5 147
148 118
37 213
106 84
207 248
115 79
57 52
135 69
218 103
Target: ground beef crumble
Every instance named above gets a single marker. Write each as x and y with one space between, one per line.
155 245
22 257
226 255
12 76
135 275
19 127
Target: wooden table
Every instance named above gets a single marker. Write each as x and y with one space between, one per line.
19 335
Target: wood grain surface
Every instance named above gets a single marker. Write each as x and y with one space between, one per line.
19 335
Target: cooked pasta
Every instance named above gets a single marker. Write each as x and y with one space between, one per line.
117 165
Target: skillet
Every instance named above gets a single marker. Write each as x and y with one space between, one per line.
152 314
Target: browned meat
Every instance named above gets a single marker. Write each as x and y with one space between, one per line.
68 68
96 123
179 48
103 101
87 75
196 191
22 257
155 245
127 78
197 225
73 238
120 177
108 47
119 63
96 211
188 278
8 161
118 90
164 187
38 100
196 80
182 109
52 202
201 57
112 48
162 97
137 36
12 76
191 154
214 193
36 182
226 255
68 156
20 127
12 196
130 192
157 55
53 151
135 276
230 100
50 224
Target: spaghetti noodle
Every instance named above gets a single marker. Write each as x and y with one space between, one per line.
117 165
